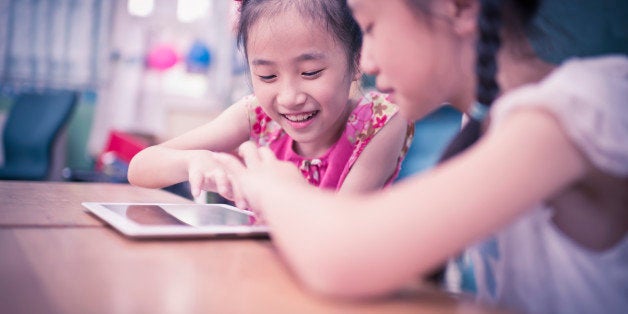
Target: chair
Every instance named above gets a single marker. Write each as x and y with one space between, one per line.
431 136
33 124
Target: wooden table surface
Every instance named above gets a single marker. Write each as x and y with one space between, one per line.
56 258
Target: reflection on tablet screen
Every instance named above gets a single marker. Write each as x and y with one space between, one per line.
180 215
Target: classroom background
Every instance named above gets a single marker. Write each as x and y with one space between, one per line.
140 72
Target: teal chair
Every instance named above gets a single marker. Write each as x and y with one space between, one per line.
34 122
431 136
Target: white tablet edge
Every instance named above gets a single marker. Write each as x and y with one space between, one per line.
135 230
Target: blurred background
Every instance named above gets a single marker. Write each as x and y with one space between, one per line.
141 71
147 68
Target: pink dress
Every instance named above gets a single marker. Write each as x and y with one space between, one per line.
330 170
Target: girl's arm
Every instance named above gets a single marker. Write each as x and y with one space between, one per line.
379 159
171 162
369 245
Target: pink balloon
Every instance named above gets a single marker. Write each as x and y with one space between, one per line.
162 57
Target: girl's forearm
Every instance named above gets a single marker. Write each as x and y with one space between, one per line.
158 166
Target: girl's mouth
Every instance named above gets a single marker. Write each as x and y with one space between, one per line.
301 117
389 91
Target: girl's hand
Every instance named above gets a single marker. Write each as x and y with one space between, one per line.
206 173
259 173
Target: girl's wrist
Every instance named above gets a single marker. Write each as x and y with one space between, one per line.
191 158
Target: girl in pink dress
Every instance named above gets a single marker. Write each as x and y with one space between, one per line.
303 58
330 169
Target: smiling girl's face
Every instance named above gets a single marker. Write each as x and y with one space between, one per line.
301 78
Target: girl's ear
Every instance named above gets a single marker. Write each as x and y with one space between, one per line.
358 72
463 15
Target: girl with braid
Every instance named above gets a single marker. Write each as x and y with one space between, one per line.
539 200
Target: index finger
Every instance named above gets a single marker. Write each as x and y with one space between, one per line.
195 179
265 154
249 153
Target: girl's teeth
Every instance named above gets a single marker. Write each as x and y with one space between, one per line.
300 117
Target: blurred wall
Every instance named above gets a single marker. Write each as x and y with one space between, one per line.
100 48
56 44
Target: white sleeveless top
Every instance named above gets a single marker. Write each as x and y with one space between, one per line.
531 266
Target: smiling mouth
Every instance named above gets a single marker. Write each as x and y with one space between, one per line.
301 117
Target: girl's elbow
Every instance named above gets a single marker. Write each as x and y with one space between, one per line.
335 285
134 173
338 279
325 283
317 267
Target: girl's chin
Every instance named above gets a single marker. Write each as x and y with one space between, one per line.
407 109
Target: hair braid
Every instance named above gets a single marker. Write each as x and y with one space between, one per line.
489 24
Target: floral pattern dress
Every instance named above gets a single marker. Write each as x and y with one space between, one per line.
370 115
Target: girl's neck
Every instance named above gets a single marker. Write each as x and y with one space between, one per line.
517 70
518 65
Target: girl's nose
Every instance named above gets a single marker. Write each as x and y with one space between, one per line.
290 95
367 63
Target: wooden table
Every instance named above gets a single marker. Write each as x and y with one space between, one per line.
56 258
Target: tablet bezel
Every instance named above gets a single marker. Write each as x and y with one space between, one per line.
132 229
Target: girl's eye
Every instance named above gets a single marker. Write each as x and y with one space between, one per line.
312 74
267 78
368 29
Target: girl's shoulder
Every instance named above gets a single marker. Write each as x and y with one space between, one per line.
371 114
587 98
263 129
250 101
587 79
598 77
379 102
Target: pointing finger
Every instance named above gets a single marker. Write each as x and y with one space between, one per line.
196 179
249 153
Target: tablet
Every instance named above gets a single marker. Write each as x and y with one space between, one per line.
152 220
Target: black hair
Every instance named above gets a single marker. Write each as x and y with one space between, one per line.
489 26
513 16
494 15
333 14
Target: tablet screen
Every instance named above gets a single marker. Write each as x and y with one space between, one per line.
181 215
